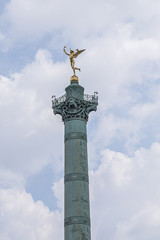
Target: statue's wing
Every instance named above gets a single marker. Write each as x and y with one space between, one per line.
78 52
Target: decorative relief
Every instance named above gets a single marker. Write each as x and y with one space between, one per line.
70 91
80 199
83 155
79 234
83 149
75 135
76 176
76 220
83 201
70 127
73 108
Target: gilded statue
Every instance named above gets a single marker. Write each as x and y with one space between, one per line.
72 55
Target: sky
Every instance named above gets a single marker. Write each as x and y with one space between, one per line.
122 63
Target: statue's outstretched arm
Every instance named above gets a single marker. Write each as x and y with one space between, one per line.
64 49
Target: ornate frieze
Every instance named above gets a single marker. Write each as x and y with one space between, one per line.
73 108
76 176
75 135
76 220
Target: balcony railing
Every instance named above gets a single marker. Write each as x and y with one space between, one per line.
87 98
56 101
91 98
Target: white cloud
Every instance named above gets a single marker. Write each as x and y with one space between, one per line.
122 63
34 19
58 189
125 201
28 128
22 218
125 197
4 43
143 225
27 121
126 77
9 178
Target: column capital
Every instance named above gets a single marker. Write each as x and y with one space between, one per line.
75 104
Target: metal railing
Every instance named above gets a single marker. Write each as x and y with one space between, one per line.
91 98
88 98
56 101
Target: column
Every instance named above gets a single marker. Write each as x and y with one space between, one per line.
77 211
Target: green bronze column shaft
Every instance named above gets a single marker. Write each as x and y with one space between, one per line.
74 107
77 211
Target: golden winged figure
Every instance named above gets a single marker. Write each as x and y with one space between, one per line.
73 54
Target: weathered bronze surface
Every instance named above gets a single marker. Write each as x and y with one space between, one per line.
74 107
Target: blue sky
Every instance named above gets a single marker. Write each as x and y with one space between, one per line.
122 63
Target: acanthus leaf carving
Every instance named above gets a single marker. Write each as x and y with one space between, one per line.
73 108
